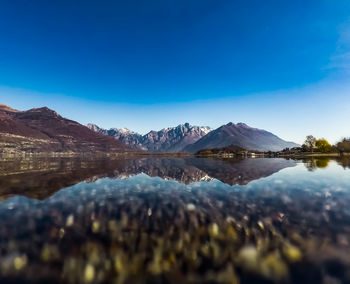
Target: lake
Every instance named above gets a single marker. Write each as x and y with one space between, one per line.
174 220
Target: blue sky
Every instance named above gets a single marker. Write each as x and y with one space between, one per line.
278 65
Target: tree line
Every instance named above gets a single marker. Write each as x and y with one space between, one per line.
312 144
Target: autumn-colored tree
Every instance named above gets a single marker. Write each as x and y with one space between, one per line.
323 145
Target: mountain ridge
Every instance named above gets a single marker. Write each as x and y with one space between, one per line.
44 130
170 139
191 139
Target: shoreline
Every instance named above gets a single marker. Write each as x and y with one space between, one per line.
178 155
315 155
298 156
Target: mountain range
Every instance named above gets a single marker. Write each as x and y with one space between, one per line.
170 140
43 130
191 139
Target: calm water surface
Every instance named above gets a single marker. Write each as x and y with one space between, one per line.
174 220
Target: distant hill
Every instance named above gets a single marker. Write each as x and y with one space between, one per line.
240 135
43 130
171 139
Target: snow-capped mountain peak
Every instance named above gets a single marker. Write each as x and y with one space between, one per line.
170 139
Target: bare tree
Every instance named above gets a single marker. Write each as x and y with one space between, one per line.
310 142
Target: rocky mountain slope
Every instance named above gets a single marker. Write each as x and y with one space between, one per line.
174 139
171 139
187 138
124 135
240 135
43 130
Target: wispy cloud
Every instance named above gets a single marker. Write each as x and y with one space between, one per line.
341 58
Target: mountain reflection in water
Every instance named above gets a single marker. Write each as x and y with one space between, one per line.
40 178
174 220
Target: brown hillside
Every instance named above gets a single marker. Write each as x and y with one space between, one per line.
42 129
